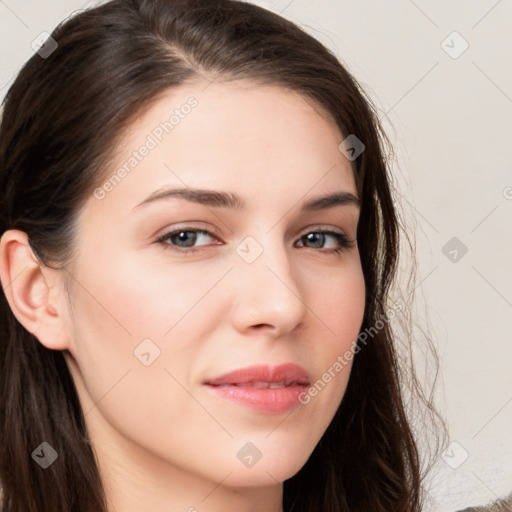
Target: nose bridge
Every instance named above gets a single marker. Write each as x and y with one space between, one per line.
267 286
268 257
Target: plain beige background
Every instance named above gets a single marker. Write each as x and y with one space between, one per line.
440 74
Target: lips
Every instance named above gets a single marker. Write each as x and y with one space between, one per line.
262 388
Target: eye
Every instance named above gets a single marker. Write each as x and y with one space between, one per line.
185 239
318 240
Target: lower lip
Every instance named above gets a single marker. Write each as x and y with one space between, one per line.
267 400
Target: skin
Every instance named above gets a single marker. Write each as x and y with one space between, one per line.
163 441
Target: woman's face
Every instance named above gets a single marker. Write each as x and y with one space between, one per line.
155 323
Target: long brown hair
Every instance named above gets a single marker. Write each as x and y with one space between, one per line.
62 117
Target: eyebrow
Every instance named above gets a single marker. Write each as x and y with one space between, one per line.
231 200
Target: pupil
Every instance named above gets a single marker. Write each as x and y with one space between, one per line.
183 235
316 238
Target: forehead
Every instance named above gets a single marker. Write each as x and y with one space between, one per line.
231 135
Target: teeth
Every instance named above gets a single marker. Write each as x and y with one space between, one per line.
275 385
260 385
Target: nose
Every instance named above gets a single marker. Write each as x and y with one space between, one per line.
269 294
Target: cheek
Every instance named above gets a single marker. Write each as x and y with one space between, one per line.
166 304
146 299
113 326
339 306
339 302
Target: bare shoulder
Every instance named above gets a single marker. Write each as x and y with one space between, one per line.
501 505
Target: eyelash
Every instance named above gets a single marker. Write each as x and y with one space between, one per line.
344 242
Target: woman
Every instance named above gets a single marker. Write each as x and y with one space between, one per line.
199 239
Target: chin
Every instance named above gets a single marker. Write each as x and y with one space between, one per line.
264 477
269 470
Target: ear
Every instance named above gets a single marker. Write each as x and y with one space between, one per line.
34 292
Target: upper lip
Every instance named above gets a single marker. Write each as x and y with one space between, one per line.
288 373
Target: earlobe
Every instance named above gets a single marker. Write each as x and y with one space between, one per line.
30 289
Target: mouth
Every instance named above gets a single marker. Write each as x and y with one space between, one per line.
262 388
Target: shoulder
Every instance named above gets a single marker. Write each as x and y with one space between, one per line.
501 505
